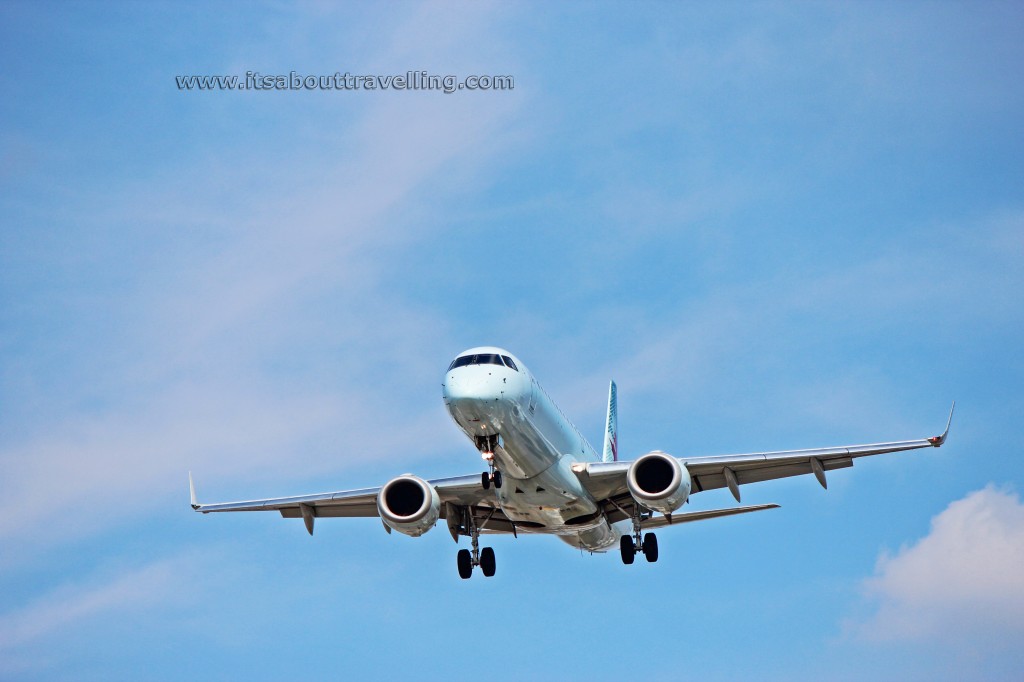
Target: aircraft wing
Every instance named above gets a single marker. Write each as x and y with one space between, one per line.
607 480
460 490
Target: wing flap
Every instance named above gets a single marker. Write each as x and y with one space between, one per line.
333 511
764 472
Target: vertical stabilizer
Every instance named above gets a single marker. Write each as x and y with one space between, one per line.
611 429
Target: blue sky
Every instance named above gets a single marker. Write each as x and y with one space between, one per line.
775 225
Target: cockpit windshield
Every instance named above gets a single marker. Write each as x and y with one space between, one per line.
483 359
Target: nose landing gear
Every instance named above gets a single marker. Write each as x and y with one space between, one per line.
492 476
487 445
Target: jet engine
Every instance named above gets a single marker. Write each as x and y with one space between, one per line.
659 482
409 505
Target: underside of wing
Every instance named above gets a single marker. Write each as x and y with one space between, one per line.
455 494
732 471
354 503
607 481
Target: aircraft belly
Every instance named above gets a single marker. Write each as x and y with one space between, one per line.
552 514
599 538
554 501
524 453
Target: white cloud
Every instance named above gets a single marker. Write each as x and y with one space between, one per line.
962 585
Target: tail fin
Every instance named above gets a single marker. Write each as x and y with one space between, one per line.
611 429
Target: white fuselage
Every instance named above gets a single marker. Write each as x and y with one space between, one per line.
535 448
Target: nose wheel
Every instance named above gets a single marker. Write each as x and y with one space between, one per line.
489 477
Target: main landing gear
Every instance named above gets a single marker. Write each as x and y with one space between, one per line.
484 558
630 548
631 545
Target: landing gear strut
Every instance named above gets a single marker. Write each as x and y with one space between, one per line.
484 558
631 545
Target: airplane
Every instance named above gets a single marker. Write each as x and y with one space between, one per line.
543 477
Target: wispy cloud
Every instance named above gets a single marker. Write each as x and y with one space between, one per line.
70 604
190 372
916 287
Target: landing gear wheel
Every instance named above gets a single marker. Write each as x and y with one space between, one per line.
465 564
627 548
651 547
485 480
496 476
487 563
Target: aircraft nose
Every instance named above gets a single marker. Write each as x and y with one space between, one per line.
467 384
475 385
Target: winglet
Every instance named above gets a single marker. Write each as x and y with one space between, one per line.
192 492
939 440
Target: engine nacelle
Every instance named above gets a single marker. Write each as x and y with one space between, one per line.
409 505
659 482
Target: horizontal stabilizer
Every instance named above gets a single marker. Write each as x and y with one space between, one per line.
687 517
